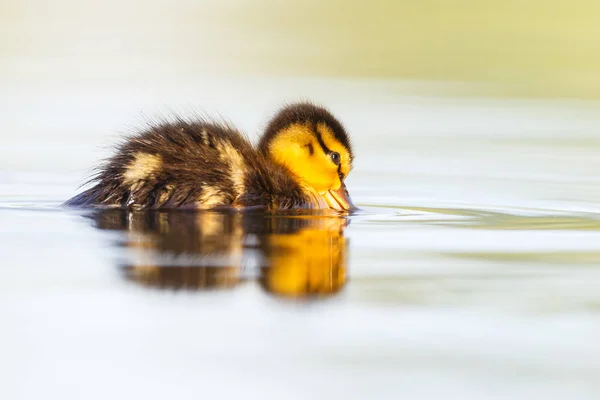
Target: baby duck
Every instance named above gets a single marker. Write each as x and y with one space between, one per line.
300 162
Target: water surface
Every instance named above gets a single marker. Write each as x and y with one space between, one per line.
472 267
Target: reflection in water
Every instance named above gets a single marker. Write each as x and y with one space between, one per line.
296 256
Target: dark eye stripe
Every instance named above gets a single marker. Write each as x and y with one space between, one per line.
321 143
335 156
311 149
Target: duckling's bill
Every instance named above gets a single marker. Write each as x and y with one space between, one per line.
339 199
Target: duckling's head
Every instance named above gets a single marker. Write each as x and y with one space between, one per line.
314 146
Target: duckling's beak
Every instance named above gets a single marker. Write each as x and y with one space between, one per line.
339 199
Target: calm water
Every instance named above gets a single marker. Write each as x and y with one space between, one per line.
472 267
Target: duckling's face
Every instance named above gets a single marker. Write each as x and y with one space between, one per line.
317 153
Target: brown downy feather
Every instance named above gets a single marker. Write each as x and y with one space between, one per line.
194 165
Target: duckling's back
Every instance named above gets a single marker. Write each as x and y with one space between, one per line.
197 165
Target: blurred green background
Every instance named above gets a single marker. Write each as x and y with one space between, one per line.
507 48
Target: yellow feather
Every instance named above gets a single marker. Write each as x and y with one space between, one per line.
291 148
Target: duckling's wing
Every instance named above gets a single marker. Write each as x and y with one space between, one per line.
196 165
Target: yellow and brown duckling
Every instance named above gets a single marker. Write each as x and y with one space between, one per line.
300 162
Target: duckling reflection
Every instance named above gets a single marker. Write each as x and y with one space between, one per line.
179 250
308 257
291 256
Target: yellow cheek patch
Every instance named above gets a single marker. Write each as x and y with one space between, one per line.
334 145
143 166
291 148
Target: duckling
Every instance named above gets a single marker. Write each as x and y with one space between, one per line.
300 162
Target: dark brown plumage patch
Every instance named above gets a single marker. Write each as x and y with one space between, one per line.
304 113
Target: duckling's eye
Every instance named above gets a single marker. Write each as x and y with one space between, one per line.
335 157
